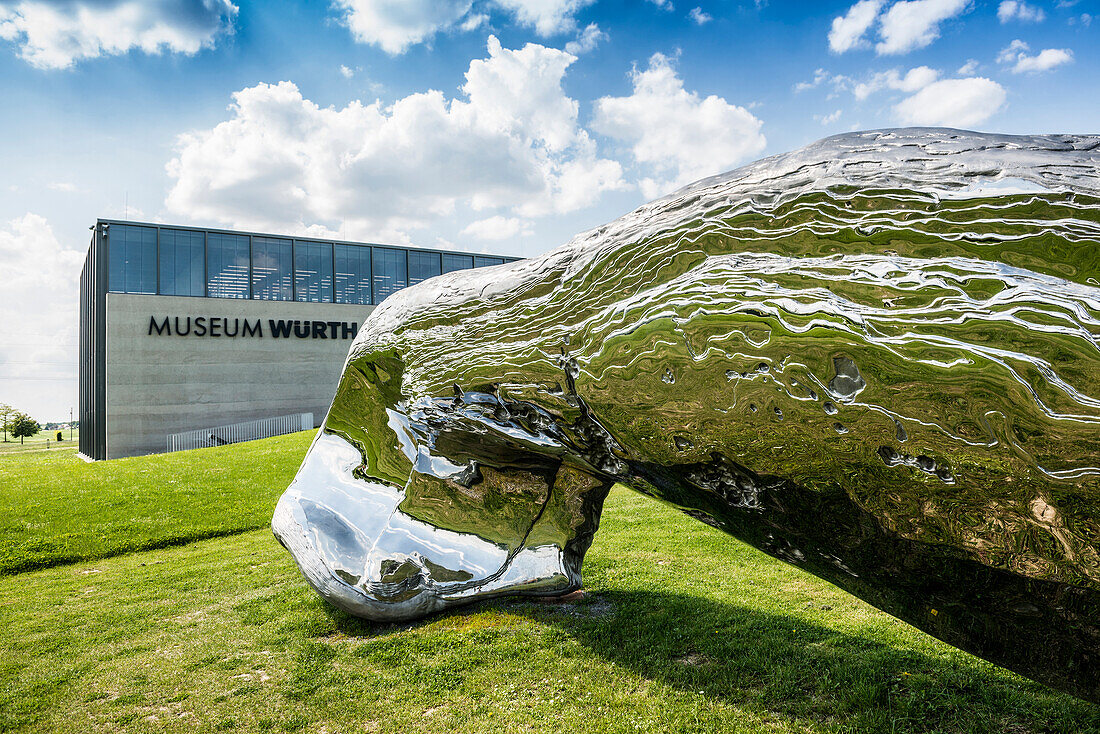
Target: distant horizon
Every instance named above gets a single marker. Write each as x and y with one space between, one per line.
503 126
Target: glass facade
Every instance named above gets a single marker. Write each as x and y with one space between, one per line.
272 271
192 262
352 274
457 262
423 265
132 259
313 271
182 262
227 265
390 271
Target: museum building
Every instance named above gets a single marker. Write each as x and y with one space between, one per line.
184 330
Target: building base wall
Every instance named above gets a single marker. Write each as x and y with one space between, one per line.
172 365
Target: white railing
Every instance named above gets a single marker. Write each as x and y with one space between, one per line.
237 432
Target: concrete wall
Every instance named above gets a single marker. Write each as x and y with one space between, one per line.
159 384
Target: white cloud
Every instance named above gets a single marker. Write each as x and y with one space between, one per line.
38 318
282 162
675 134
848 30
838 82
968 68
914 24
1010 52
498 228
1045 60
519 92
820 75
1016 55
952 103
903 27
663 4
62 186
916 78
58 33
586 41
1048 58
699 17
1013 10
473 22
828 119
547 17
395 25
346 72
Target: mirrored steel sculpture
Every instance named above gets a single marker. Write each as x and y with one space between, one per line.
875 358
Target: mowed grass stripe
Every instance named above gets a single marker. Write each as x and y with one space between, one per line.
684 629
57 509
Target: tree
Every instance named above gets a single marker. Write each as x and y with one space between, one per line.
22 425
6 414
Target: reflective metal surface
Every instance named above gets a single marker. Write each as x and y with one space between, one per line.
875 358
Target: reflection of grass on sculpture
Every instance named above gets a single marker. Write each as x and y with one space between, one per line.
368 386
989 509
499 509
55 508
682 409
683 629
1026 229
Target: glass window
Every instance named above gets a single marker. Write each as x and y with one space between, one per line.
423 265
227 265
389 272
352 266
313 272
182 263
457 262
483 262
271 269
132 259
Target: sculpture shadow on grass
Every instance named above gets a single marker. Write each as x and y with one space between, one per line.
781 663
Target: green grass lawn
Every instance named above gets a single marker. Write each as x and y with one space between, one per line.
683 629
41 441
56 508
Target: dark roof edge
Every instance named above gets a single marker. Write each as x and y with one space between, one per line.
326 240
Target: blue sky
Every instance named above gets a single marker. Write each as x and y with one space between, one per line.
486 125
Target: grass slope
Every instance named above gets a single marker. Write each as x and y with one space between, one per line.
684 629
56 508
